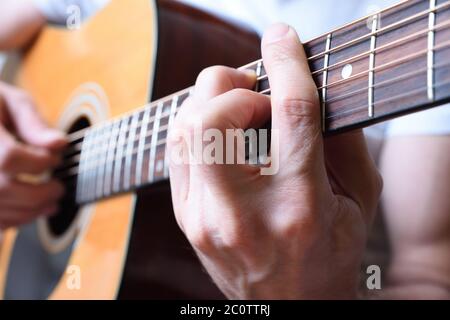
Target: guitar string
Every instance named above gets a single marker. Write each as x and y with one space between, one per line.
74 148
368 35
75 151
79 134
397 62
388 100
73 171
388 46
382 30
77 147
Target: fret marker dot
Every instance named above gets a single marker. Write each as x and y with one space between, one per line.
347 71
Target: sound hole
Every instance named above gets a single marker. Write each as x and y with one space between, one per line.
61 222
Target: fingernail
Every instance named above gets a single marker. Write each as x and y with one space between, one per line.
276 32
249 73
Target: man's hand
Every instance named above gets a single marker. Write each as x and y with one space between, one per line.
20 21
298 234
27 146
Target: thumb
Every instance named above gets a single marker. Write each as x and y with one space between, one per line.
29 125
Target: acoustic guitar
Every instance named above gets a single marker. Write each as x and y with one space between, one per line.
115 235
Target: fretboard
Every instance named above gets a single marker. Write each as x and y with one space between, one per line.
394 62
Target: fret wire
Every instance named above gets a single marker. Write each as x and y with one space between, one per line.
173 110
405 59
89 150
155 134
78 135
147 133
428 64
381 67
110 157
140 155
378 85
135 150
84 163
387 46
92 173
383 47
365 54
407 76
258 74
73 171
386 65
396 24
81 177
119 154
363 89
396 78
390 99
325 81
88 177
101 167
381 30
430 56
128 160
373 43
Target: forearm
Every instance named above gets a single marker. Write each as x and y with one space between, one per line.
416 172
20 22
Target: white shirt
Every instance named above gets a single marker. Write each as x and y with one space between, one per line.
58 11
309 17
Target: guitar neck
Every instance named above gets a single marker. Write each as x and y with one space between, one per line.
391 63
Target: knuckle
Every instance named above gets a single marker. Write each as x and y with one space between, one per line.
200 238
233 241
292 226
377 184
298 109
241 93
213 73
8 156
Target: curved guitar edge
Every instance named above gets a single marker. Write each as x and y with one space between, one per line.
59 63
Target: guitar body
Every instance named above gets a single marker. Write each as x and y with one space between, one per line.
128 246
